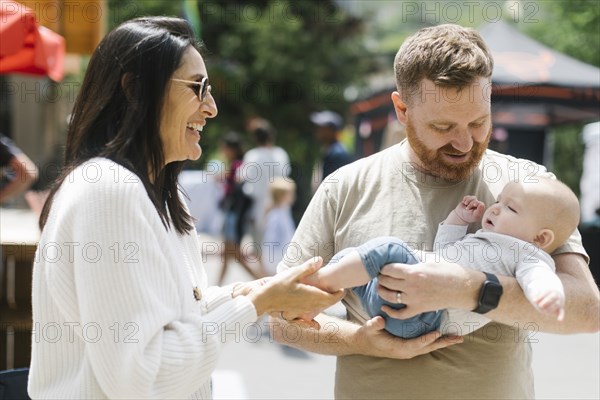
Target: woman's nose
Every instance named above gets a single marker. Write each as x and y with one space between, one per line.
209 106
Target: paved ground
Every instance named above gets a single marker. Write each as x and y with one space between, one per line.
565 367
265 370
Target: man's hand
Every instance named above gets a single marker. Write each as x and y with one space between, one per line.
375 341
429 286
341 337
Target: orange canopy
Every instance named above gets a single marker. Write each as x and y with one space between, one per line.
25 46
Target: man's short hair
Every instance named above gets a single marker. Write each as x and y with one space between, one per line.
448 55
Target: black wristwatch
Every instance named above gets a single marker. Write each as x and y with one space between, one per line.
490 294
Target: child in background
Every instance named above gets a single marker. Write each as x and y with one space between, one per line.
279 225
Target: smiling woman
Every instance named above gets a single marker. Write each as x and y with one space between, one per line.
187 106
123 289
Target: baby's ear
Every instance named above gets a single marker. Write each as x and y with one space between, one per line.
544 238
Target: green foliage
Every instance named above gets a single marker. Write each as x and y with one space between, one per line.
123 10
571 27
283 59
280 61
568 151
277 60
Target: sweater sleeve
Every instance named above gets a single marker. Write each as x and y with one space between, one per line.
536 273
127 290
449 234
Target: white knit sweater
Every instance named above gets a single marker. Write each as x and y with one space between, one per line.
113 308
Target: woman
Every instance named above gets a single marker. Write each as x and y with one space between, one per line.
121 307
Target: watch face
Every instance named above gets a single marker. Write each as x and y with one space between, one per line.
491 294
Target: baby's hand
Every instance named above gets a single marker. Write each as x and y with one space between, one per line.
470 209
551 303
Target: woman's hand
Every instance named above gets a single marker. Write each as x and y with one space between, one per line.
285 292
373 340
243 288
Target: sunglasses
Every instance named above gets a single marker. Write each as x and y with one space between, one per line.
201 88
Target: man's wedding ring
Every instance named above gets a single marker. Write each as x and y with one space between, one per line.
398 297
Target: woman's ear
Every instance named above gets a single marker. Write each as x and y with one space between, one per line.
400 107
130 89
544 238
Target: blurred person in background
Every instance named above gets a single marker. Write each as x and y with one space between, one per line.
279 223
590 178
262 164
17 171
334 155
236 206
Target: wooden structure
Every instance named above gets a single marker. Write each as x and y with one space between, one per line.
19 236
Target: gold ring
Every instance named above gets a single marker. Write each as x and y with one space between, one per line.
398 297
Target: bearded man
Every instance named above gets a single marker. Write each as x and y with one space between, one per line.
443 77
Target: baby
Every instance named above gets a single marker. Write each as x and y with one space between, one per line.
519 232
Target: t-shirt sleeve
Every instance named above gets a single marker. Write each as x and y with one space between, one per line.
573 245
315 233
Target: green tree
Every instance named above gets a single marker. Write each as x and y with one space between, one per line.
123 10
281 61
571 27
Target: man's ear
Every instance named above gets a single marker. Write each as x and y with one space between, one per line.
400 107
544 238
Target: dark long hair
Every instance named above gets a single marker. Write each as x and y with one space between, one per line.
118 111
233 141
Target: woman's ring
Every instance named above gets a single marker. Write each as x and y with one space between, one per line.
398 298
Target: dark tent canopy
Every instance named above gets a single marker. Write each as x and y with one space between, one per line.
535 86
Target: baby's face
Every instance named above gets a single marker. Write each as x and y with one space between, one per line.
513 213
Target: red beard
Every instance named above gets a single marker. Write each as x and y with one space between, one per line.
434 163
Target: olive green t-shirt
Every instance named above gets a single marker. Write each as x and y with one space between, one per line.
383 195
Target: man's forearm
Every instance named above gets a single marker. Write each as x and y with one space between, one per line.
582 308
339 337
26 173
334 338
13 188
